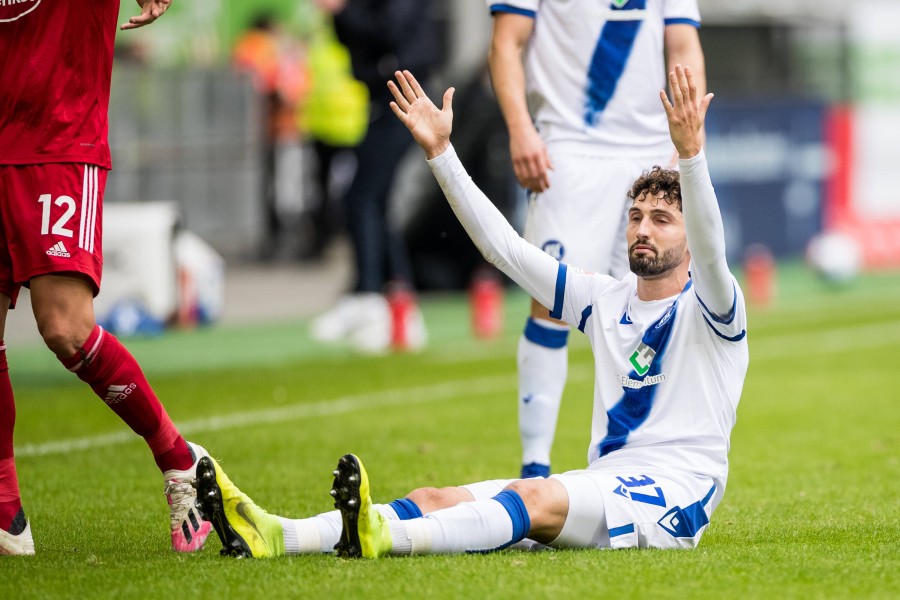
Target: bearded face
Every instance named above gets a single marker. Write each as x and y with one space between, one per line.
656 238
645 259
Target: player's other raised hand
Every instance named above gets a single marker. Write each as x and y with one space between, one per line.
686 112
151 10
430 126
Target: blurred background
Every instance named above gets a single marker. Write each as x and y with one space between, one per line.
234 120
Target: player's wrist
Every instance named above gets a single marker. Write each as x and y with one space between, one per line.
689 151
437 149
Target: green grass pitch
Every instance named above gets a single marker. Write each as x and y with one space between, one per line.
812 508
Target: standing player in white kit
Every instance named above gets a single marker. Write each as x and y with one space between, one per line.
588 70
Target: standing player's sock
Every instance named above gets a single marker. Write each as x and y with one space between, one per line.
115 376
543 361
10 503
322 532
469 526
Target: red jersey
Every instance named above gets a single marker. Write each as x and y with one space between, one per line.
55 75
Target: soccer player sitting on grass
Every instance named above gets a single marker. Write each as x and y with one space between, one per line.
671 356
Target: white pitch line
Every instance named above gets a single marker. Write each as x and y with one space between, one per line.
294 412
297 412
830 341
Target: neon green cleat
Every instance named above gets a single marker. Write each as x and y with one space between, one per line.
365 533
246 530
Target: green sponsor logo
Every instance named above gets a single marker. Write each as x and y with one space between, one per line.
642 358
619 3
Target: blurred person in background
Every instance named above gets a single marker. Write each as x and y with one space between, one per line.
333 117
278 72
576 82
381 36
54 159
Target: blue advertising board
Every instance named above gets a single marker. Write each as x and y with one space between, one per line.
769 163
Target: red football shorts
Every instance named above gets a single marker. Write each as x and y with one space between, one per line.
51 221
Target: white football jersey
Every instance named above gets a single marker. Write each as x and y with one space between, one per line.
594 69
669 373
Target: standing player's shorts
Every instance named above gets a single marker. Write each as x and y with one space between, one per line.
51 221
615 507
580 219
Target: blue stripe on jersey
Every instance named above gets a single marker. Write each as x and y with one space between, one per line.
560 296
584 317
506 8
617 531
683 21
731 313
634 407
688 521
544 336
609 59
735 338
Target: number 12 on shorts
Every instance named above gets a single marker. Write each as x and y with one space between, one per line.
628 483
59 227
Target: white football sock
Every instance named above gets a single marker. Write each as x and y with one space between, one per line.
321 532
542 378
479 525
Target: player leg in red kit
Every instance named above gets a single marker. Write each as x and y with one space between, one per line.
50 241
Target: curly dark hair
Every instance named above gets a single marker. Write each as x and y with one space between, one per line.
658 180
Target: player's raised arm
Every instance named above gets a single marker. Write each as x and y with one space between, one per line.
429 125
702 220
151 10
535 271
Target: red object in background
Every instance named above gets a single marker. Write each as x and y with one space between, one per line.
486 304
187 315
759 272
401 303
839 186
879 239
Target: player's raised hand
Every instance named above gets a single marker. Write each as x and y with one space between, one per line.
430 126
151 10
686 112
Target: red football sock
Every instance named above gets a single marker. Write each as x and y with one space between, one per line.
10 503
114 375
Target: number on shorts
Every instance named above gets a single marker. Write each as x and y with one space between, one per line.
659 499
59 227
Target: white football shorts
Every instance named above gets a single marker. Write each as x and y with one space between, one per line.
580 219
624 507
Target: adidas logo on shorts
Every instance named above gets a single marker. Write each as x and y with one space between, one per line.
58 249
117 393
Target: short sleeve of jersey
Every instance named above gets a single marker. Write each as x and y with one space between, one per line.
681 11
733 326
575 294
526 8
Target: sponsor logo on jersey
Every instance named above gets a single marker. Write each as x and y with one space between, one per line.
665 318
554 248
642 358
57 249
636 384
10 10
117 393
